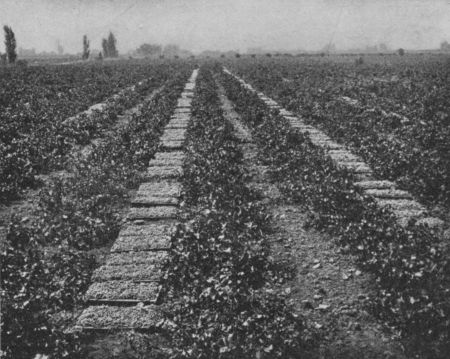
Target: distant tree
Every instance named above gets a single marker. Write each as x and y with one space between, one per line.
445 46
383 47
401 52
86 50
10 44
149 50
105 48
111 43
237 55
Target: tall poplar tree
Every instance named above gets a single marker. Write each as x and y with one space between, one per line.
105 48
86 50
112 50
10 44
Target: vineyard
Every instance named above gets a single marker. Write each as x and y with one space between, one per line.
252 207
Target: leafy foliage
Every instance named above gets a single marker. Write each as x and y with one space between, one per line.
109 46
46 270
35 104
218 272
396 117
31 291
409 265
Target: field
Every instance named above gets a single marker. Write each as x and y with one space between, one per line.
245 207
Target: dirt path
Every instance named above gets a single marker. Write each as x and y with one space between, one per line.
326 288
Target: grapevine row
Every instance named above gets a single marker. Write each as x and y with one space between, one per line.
409 263
218 275
47 267
411 148
39 130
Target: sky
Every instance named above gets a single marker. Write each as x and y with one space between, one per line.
199 25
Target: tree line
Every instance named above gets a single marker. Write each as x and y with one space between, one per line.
109 47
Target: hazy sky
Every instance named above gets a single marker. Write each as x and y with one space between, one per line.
228 24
